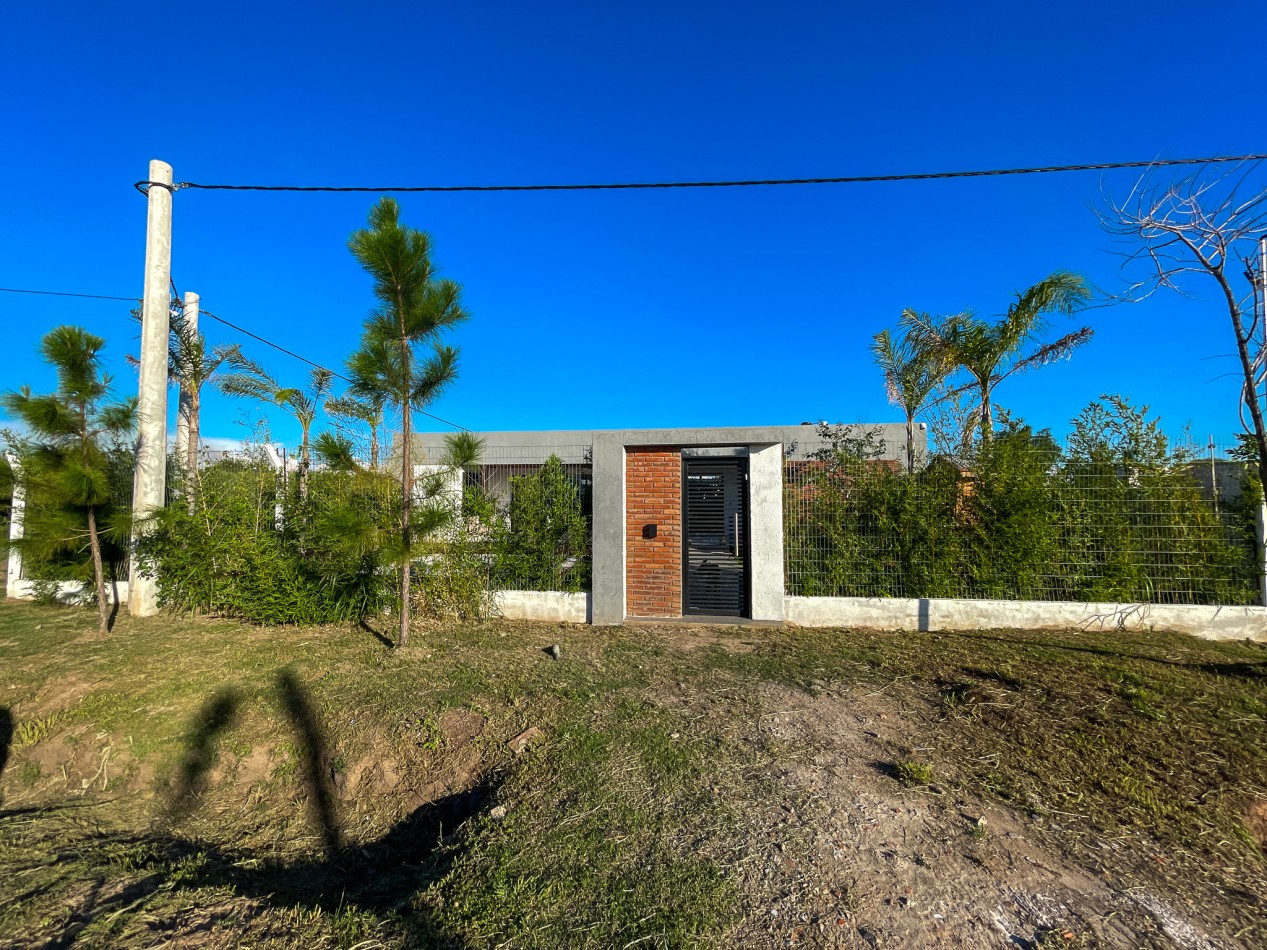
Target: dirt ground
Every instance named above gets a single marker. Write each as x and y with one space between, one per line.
842 854
880 865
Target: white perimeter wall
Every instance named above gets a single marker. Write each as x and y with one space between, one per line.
876 613
554 606
69 591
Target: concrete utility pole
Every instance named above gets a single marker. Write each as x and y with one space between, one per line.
17 517
149 483
184 414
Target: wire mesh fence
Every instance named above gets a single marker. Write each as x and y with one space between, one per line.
1023 522
531 510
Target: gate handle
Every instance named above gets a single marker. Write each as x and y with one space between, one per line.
736 534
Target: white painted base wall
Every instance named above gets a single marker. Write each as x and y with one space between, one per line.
547 605
882 613
68 591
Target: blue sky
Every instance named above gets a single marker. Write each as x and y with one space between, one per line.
623 309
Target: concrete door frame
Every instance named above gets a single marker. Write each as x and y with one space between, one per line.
765 512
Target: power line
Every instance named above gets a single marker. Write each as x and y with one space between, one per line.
745 183
234 326
63 293
276 346
304 359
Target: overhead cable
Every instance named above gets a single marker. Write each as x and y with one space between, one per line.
64 293
741 183
233 326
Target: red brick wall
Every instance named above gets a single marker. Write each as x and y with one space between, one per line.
653 568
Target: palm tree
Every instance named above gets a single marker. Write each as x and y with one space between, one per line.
910 375
69 451
400 360
250 380
367 411
991 352
191 365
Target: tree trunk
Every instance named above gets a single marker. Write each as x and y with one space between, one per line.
987 415
407 484
1250 392
99 577
373 447
303 467
910 442
191 461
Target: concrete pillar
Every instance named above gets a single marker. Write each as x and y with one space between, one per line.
440 486
608 557
765 515
185 408
17 517
149 483
1262 554
281 465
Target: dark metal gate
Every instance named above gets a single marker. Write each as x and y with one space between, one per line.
715 555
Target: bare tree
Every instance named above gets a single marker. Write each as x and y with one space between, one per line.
952 416
1206 223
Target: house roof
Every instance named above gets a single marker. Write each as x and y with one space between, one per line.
575 445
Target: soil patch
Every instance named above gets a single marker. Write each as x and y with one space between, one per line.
883 865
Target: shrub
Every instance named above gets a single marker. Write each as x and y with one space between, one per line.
541 541
328 561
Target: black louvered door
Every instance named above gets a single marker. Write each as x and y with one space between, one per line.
715 556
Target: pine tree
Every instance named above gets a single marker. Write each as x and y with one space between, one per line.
400 361
68 451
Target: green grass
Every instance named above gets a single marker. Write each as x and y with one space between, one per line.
627 819
913 774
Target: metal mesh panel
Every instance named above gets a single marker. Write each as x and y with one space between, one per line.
1026 526
534 527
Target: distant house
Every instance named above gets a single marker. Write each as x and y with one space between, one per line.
686 522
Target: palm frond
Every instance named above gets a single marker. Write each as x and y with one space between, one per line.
911 370
1055 351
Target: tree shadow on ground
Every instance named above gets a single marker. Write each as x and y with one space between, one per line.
379 636
6 742
380 878
114 600
1244 670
